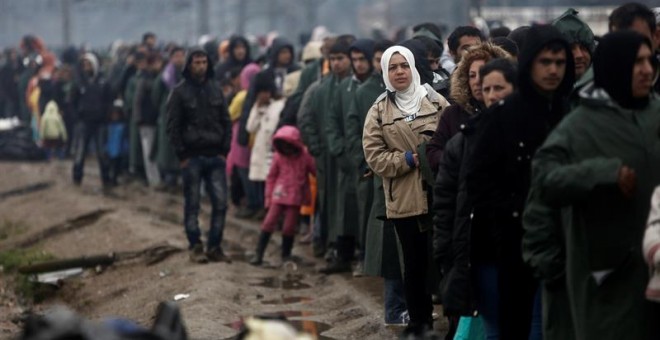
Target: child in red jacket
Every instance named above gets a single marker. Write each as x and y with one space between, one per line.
287 189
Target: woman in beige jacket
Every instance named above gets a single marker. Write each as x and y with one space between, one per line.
400 121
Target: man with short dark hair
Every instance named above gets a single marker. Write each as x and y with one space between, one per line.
149 40
498 180
313 132
460 40
347 216
200 131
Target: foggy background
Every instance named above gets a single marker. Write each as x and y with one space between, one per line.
97 23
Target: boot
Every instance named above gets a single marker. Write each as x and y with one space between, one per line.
264 237
287 245
342 262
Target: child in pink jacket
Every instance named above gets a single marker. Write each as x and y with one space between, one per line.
287 189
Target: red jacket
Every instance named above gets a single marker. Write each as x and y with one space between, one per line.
287 182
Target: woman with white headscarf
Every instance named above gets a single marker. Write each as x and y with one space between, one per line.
400 122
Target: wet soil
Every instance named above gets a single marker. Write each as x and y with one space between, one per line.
135 218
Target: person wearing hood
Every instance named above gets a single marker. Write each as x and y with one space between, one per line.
581 38
317 106
281 61
238 160
602 162
92 101
238 57
287 189
168 164
9 74
347 219
199 129
397 124
311 72
498 181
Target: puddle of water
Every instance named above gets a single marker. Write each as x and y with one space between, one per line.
273 282
287 300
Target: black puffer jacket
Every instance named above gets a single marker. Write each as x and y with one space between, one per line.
451 223
197 118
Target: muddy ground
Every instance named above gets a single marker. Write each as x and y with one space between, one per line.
135 218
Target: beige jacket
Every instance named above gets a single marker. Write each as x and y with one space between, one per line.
387 137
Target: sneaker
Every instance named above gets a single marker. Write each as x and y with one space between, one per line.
217 255
358 271
197 254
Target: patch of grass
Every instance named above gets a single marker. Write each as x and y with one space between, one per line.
10 260
10 228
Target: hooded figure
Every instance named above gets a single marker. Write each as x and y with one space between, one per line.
199 129
585 165
579 36
499 173
233 62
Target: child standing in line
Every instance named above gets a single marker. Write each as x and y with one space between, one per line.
52 131
116 140
287 189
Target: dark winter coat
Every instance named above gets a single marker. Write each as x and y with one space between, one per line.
223 70
499 170
452 236
92 99
499 176
198 121
145 110
452 121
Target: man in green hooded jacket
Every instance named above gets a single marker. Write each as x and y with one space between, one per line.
602 162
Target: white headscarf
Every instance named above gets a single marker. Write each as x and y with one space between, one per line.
409 101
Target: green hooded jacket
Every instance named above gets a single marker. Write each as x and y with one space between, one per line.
578 168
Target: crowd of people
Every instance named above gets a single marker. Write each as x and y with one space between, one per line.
508 177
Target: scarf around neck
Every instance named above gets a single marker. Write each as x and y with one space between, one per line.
409 101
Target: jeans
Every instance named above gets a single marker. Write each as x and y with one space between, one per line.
251 191
84 133
395 301
414 245
488 299
211 170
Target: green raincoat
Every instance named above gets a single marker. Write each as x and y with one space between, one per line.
578 168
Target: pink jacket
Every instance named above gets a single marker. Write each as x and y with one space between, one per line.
287 182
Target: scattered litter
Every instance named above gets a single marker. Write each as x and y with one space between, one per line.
57 276
164 273
181 297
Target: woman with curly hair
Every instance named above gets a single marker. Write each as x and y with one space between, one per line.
466 95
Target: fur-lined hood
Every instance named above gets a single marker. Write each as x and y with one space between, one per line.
460 88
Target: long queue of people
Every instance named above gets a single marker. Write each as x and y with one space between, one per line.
507 177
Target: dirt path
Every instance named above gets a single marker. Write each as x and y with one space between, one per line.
337 307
